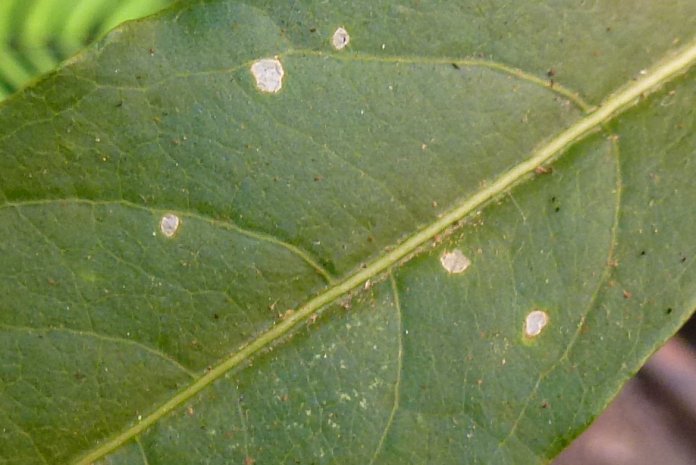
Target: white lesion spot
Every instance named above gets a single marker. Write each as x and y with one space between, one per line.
169 224
340 39
455 261
535 323
268 73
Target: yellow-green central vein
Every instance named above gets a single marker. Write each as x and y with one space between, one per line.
618 102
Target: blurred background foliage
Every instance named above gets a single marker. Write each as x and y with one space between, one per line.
36 35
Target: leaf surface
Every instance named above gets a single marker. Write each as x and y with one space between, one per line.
169 228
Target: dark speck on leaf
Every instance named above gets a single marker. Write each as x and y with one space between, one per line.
455 66
313 29
642 253
668 311
557 209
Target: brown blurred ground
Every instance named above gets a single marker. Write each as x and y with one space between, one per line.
653 420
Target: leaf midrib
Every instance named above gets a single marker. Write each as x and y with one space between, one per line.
626 97
604 277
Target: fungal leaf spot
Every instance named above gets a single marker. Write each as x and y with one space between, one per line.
268 73
340 39
169 224
455 261
535 323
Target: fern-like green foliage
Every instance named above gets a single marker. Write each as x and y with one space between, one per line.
36 35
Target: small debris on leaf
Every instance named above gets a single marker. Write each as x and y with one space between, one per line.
455 261
288 313
535 322
340 39
169 224
268 73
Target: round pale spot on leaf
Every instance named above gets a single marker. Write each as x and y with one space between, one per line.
455 261
340 39
535 323
169 224
268 73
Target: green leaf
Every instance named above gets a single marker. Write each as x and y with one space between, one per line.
197 268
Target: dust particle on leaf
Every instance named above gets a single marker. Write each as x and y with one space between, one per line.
169 224
288 313
268 73
535 323
340 39
455 261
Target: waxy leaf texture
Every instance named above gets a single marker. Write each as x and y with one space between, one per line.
368 232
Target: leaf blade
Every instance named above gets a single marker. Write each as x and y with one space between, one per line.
68 182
